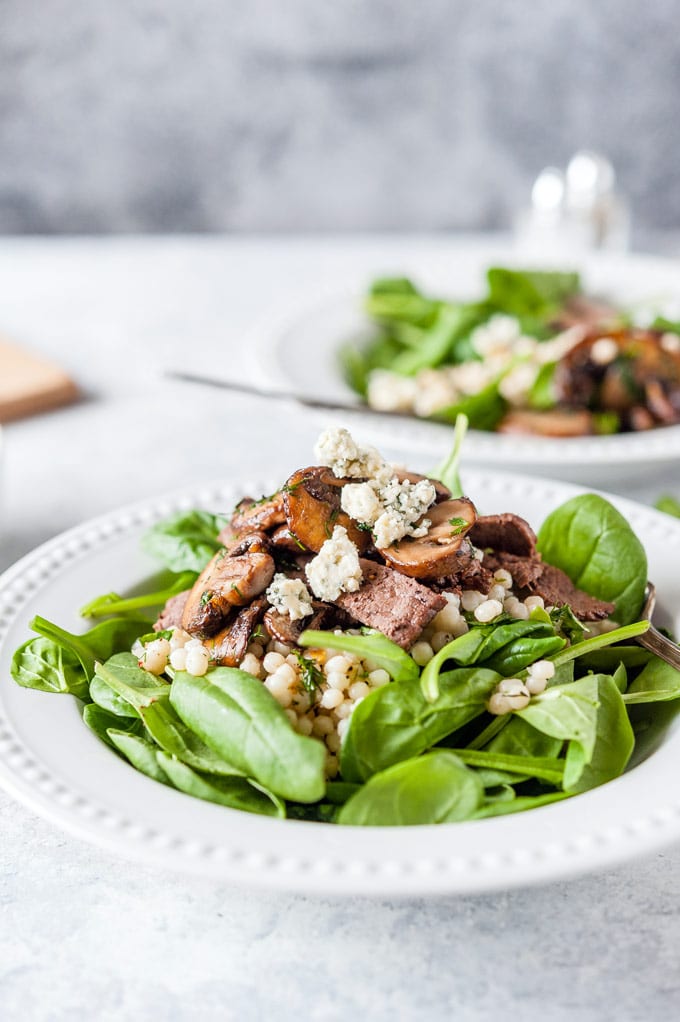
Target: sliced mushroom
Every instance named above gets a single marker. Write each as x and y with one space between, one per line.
556 422
311 498
434 555
254 515
230 645
284 539
225 583
250 542
507 532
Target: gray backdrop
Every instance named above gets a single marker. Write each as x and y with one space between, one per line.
150 115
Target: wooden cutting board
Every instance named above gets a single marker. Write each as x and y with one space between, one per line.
30 384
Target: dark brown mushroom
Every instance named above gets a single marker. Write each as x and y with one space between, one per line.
285 540
506 532
311 498
230 645
284 629
225 583
434 555
254 515
557 422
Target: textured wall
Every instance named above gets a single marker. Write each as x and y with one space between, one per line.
119 115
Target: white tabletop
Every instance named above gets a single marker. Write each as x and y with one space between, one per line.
84 935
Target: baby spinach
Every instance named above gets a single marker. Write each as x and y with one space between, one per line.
396 722
98 643
112 603
99 721
44 665
234 792
371 646
669 505
447 472
530 293
656 682
595 546
233 713
141 753
519 738
122 673
435 788
502 807
170 732
185 542
544 768
104 696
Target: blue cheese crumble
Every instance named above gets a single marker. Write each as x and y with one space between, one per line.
337 450
290 596
390 507
336 568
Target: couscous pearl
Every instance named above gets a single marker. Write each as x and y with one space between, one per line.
331 699
536 685
511 687
286 673
515 608
301 701
532 602
460 628
359 690
503 578
378 678
153 661
251 665
198 661
440 639
333 742
280 647
192 644
422 653
338 665
292 716
446 618
542 669
256 649
497 592
272 662
179 638
471 599
322 725
498 705
453 600
488 610
161 646
304 725
343 710
178 659
343 725
293 661
339 681
332 766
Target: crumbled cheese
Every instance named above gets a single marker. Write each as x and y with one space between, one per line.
670 343
336 568
391 508
337 449
360 501
498 333
390 392
290 596
604 351
517 383
434 390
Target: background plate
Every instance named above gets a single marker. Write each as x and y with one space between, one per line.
296 349
52 762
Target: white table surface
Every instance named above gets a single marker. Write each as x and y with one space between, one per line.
85 935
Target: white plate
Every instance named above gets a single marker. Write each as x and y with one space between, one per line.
51 761
297 348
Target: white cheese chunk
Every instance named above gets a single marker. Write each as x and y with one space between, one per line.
336 568
337 449
289 596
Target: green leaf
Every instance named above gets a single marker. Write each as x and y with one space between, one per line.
396 722
594 544
185 542
542 395
529 293
669 505
99 721
234 792
139 752
104 697
43 665
112 603
122 673
239 718
483 410
502 807
374 646
169 731
543 768
437 343
519 738
98 643
656 682
447 472
435 788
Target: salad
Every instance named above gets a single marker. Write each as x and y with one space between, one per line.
534 355
362 647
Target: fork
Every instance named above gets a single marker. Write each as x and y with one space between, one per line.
652 639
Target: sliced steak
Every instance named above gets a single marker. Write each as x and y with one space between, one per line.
524 570
504 532
171 615
229 646
394 604
557 589
325 616
224 584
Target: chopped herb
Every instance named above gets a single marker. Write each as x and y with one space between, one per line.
221 553
296 540
258 633
364 526
295 486
458 525
206 597
331 521
166 633
236 590
311 675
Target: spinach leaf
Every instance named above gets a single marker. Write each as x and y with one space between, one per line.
501 807
139 752
396 722
483 410
587 647
237 716
42 664
542 395
185 542
594 544
99 721
169 731
373 646
103 696
96 644
590 714
519 738
436 343
605 661
656 682
543 768
112 603
529 293
447 471
234 792
122 673
435 788
669 505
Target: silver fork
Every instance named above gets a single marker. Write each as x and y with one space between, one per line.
652 639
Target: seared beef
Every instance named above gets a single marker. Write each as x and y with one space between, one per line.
504 532
325 616
171 615
229 646
393 603
557 589
524 570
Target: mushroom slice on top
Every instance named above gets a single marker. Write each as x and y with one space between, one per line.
230 645
225 583
311 499
434 555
